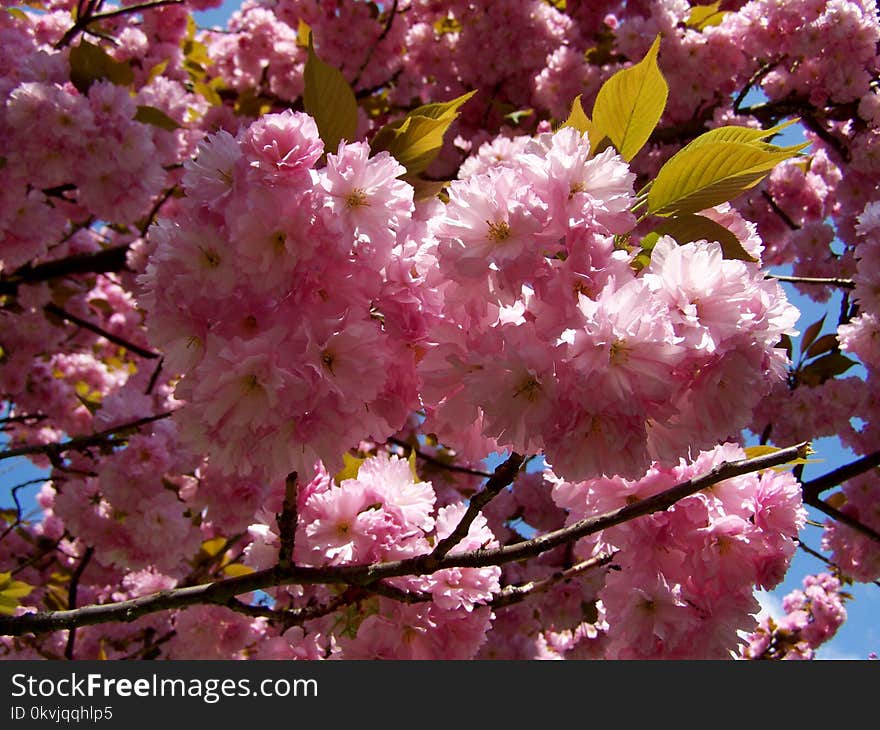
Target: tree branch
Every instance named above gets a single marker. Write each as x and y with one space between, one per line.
287 523
220 592
843 518
813 488
822 281
439 462
81 443
503 476
100 262
54 309
71 597
515 594
87 18
792 226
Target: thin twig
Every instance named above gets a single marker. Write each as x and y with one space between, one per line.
503 477
54 309
56 448
18 512
843 518
387 29
71 598
820 280
87 17
792 226
510 595
834 566
439 462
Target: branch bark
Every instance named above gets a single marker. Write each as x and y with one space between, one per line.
221 592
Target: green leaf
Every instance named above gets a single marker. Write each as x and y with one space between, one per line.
731 133
811 332
581 122
156 117
753 452
415 140
785 344
157 70
447 24
442 109
18 14
350 467
330 101
711 173
426 189
11 591
689 227
212 547
702 16
303 34
630 104
90 63
825 368
826 343
209 93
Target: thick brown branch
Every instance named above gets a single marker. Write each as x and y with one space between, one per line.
222 591
287 523
813 488
100 262
363 575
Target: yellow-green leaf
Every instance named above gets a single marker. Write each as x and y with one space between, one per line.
156 117
208 92
330 101
415 140
709 174
426 189
442 109
90 63
234 570
412 465
18 14
350 466
690 227
731 133
447 24
578 119
157 70
702 16
213 546
303 34
630 104
11 591
753 452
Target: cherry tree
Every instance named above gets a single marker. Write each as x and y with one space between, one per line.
423 330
